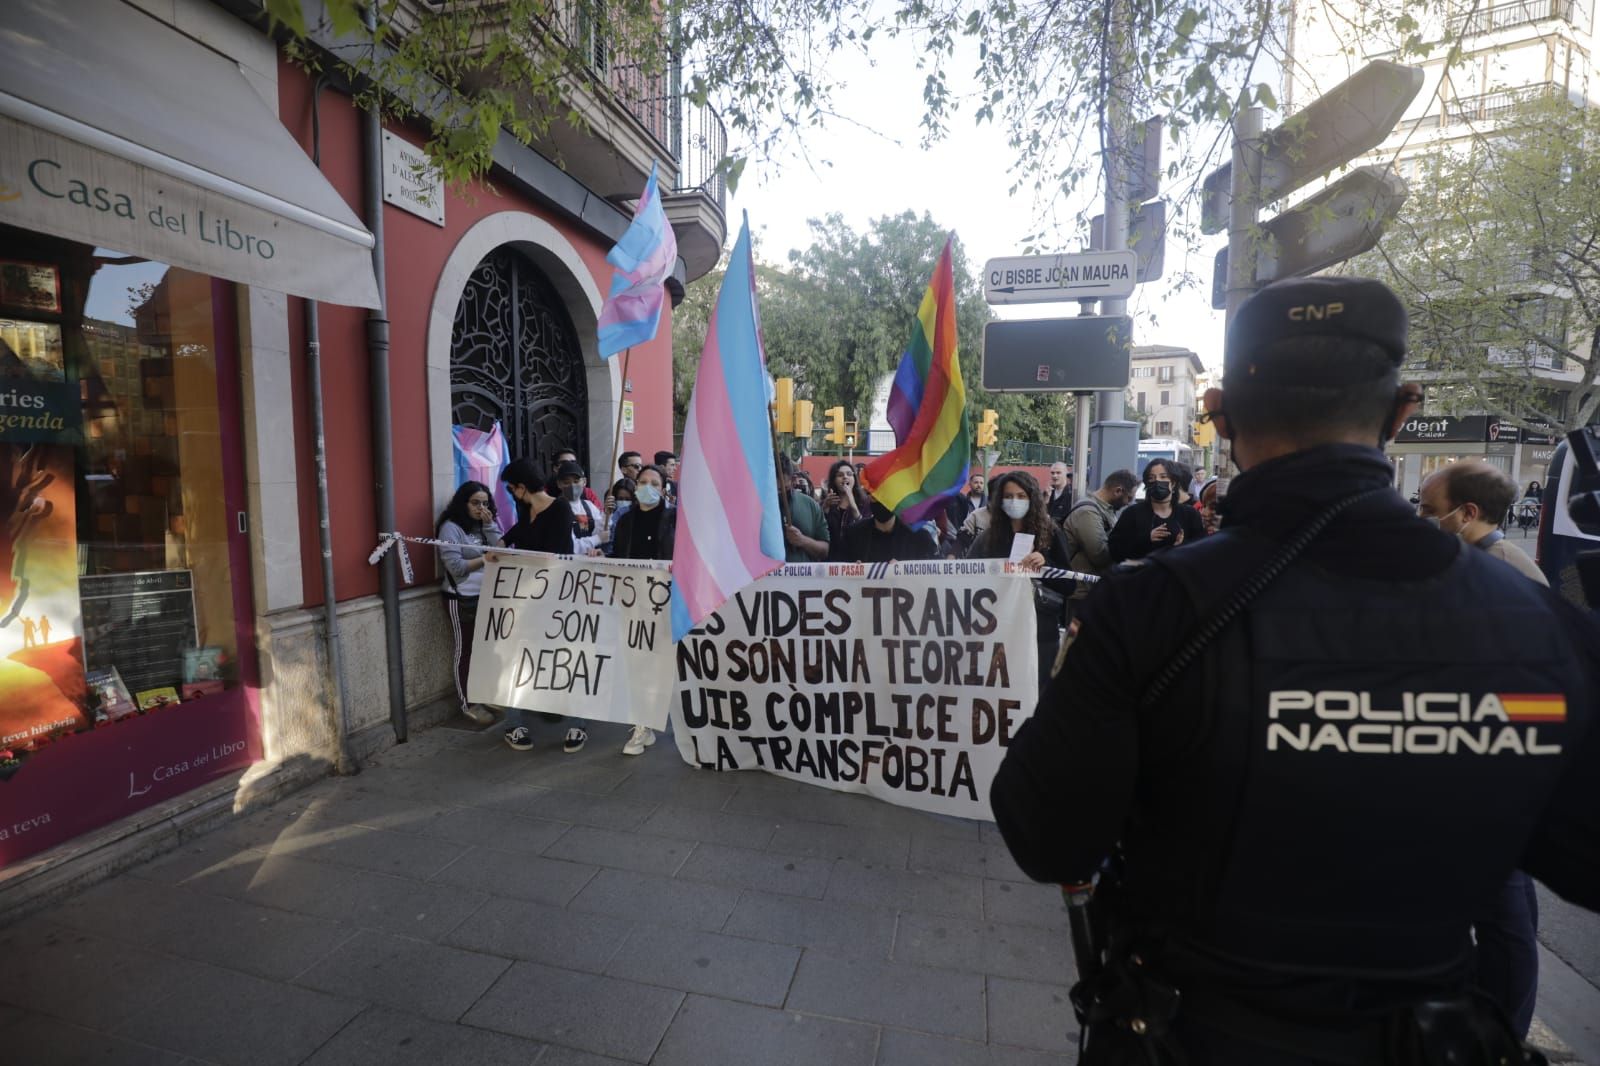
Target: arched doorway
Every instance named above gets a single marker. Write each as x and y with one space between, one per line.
515 358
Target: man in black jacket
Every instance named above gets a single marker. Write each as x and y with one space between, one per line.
1309 811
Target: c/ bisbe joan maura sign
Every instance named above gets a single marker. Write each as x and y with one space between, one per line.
905 681
1045 278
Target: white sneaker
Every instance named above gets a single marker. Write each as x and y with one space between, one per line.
479 713
641 738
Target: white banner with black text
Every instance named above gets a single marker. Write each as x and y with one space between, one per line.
905 681
588 638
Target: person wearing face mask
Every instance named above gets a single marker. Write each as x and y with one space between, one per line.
567 455
1088 526
588 520
1470 499
1156 522
468 531
645 531
1017 507
618 500
882 538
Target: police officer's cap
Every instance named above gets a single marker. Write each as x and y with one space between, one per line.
1355 309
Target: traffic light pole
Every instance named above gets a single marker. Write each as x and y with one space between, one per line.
1244 196
1116 440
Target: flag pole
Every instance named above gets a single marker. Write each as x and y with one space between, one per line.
616 440
777 467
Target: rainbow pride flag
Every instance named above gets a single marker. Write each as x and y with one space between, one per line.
927 410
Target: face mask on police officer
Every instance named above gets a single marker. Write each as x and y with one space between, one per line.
1016 507
1158 490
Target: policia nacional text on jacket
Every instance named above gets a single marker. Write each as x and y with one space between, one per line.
1312 814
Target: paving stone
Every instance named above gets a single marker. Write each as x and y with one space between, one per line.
1024 904
238 1020
899 1047
761 870
437 981
538 933
990 947
86 979
711 826
566 1056
622 851
380 850
193 925
930 893
356 805
36 1040
884 847
948 855
194 860
889 993
382 1037
708 1031
696 790
625 894
800 803
422 785
602 1015
505 873
831 927
607 812
597 776
1031 1014
498 829
726 966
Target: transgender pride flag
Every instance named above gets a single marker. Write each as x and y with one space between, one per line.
730 531
643 259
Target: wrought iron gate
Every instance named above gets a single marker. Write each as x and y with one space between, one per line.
514 358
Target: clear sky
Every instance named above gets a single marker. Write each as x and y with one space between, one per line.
875 165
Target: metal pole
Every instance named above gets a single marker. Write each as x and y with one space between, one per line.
1116 174
1244 197
382 413
1080 447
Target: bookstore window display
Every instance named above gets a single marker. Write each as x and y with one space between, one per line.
116 594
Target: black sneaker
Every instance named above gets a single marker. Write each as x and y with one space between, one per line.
519 738
575 740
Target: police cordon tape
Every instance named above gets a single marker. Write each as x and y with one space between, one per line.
398 541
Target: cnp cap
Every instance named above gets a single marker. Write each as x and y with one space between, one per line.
1357 309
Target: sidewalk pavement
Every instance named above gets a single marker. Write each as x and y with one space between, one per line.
460 902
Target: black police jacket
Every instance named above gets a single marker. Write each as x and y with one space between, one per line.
1343 779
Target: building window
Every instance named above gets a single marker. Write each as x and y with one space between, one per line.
1166 397
1141 401
1165 375
1163 429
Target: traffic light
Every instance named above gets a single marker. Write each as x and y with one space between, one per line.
836 432
989 428
849 434
802 419
783 390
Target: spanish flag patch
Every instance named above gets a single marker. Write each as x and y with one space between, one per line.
1535 706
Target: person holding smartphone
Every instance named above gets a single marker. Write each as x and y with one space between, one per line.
1156 522
467 526
844 503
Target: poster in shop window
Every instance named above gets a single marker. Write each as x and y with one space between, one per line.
42 687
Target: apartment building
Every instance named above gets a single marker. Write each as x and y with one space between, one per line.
1511 51
1164 390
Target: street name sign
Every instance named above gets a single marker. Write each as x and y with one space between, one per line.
1336 224
1351 118
1028 279
1084 354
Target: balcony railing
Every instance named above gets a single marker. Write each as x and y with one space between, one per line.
1486 107
1532 356
1516 13
690 133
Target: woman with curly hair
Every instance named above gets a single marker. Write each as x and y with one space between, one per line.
1017 506
844 502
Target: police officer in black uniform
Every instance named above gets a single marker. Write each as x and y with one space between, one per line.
1299 807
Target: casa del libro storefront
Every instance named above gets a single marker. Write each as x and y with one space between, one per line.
164 232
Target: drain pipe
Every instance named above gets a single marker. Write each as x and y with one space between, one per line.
382 430
346 763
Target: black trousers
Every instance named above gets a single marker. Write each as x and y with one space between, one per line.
1508 951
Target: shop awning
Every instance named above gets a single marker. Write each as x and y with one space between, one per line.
119 131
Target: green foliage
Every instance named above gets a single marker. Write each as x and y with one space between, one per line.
1497 253
837 319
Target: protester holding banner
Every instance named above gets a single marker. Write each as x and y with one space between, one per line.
1017 509
467 524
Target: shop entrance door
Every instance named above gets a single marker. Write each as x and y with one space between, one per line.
514 359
